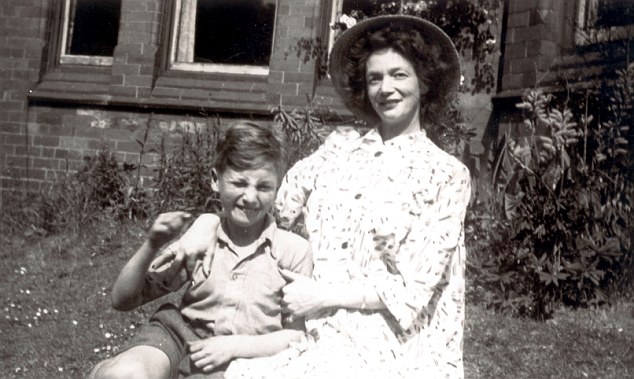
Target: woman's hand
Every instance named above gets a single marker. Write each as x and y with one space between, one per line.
166 227
302 295
214 351
199 242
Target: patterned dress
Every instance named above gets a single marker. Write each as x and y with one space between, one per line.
389 215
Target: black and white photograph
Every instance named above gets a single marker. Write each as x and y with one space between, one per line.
316 189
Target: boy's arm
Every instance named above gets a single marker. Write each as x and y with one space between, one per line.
215 351
128 288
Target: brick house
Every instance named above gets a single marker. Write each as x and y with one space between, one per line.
558 44
79 75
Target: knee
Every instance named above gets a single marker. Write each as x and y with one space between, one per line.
116 368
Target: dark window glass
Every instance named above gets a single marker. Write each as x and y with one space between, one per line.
234 31
93 27
615 13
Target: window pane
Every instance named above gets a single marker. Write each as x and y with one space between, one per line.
234 31
615 13
93 27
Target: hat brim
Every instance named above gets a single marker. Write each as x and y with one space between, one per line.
430 32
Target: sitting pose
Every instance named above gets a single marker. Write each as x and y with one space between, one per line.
384 214
231 265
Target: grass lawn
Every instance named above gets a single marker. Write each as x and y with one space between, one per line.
57 321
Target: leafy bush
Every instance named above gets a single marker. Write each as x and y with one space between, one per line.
561 207
100 187
183 171
112 186
301 131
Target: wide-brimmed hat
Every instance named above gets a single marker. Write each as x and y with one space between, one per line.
432 34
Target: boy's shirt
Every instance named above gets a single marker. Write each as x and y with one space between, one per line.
243 295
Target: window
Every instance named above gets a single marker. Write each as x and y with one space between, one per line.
604 20
346 13
231 36
615 13
89 32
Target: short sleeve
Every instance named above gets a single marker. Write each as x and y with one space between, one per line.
293 253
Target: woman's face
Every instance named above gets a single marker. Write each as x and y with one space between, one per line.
393 90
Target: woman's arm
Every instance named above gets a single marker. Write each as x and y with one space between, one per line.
303 296
217 350
419 264
431 255
128 288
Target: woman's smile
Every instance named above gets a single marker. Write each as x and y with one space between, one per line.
394 92
388 104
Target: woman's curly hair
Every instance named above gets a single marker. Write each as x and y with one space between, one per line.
425 57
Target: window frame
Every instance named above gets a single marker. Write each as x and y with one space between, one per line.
217 68
74 59
586 33
336 7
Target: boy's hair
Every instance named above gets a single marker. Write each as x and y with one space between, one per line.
246 145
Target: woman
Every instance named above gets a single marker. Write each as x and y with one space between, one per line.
384 214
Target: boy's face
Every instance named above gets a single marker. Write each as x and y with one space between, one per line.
246 196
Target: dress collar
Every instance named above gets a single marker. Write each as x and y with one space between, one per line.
373 138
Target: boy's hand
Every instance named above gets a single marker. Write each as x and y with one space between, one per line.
214 351
166 227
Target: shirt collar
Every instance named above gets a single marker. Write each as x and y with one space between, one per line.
265 238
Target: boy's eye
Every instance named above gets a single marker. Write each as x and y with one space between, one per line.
239 184
265 187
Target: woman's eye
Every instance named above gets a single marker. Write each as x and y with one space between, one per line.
400 75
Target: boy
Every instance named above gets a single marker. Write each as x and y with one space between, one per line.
232 307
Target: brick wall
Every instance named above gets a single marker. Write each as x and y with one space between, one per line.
56 139
52 115
21 43
542 49
534 30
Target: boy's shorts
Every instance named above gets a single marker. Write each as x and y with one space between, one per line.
169 332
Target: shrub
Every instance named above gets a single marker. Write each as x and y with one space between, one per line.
183 171
301 131
100 187
561 206
112 186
